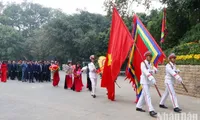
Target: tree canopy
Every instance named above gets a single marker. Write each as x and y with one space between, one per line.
32 31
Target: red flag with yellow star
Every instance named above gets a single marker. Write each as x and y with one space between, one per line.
120 43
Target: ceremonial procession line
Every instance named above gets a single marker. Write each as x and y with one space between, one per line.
41 101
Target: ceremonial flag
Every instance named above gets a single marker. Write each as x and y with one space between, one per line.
164 28
143 41
120 43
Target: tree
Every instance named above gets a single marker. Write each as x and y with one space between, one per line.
27 18
10 43
77 37
123 6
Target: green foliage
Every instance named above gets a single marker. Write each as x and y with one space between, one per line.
192 35
31 31
78 36
10 43
27 19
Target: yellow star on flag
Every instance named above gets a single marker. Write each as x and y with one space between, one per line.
109 59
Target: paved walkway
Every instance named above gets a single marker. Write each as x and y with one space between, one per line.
41 101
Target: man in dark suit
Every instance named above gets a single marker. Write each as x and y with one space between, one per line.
30 72
13 70
40 74
44 71
9 69
19 70
35 70
24 71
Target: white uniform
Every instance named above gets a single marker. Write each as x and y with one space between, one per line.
146 79
93 77
170 77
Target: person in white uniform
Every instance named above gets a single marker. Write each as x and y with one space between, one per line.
172 74
93 75
146 80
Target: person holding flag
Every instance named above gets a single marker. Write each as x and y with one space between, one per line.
172 74
147 79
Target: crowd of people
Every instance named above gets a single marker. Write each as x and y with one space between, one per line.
73 79
40 71
26 71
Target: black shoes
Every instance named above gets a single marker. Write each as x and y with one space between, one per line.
94 96
178 110
163 106
152 114
139 109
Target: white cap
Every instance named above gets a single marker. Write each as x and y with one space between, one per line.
172 55
92 57
148 53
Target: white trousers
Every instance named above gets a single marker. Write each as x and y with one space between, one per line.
145 98
169 91
94 84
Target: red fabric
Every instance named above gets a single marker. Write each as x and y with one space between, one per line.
78 80
3 73
68 81
161 58
81 82
164 28
78 84
119 45
138 56
56 78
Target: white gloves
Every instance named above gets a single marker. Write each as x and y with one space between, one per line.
180 80
177 76
152 79
177 71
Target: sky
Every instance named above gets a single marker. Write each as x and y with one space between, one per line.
93 6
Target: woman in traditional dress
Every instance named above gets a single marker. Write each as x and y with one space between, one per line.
4 72
68 77
77 85
56 78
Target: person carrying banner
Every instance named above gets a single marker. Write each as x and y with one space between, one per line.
146 79
172 74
